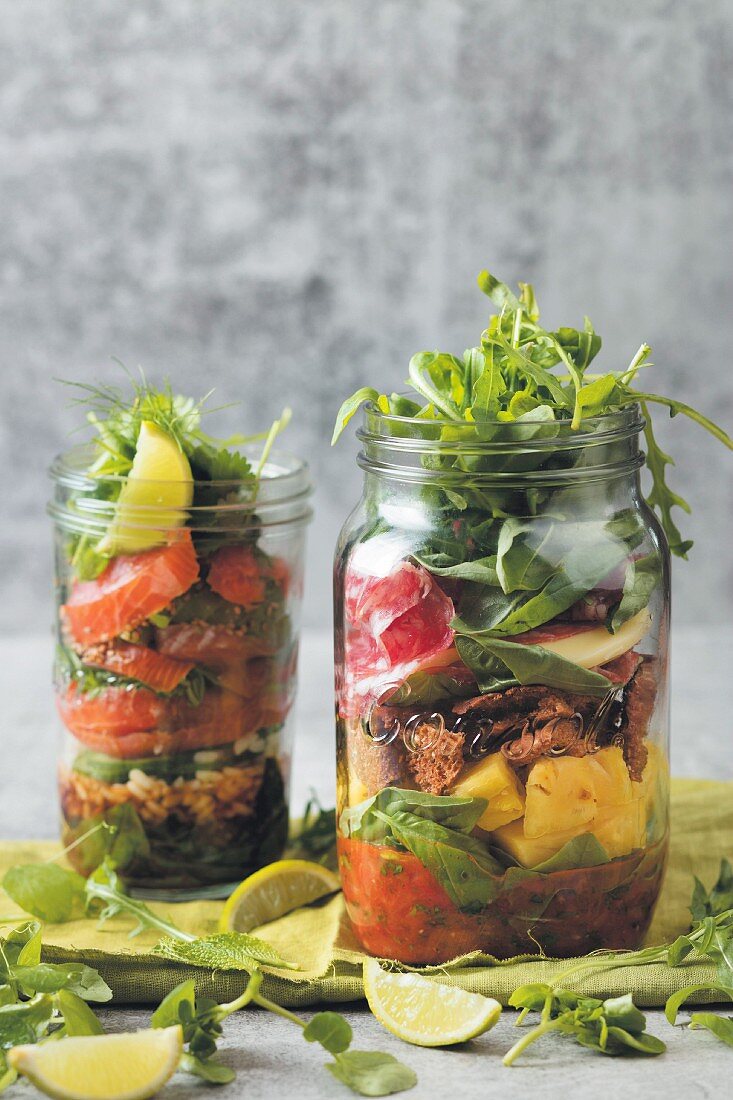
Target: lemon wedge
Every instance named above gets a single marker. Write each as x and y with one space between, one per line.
158 489
421 1011
274 891
131 1066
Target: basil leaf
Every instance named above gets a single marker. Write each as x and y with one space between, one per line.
720 1026
46 890
497 664
371 1073
331 1030
78 1016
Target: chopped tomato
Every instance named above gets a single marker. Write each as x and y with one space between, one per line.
131 589
137 662
236 574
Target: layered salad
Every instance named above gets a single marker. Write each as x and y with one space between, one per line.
176 655
501 633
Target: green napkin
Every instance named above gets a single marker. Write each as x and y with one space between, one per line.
320 939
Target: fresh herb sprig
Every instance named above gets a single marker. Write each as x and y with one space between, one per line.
369 1073
521 370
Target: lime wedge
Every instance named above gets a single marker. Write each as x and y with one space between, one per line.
158 489
131 1066
420 1011
274 891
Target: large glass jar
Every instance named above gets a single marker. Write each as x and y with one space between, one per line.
175 676
501 622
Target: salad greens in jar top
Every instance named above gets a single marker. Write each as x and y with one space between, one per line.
501 614
176 652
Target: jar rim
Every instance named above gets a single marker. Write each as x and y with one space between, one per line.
282 499
625 422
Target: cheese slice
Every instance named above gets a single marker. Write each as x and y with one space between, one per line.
598 646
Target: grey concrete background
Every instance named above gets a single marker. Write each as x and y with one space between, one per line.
286 200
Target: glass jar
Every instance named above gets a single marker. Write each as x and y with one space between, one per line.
175 675
501 622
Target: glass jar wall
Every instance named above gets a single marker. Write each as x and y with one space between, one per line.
501 616
175 675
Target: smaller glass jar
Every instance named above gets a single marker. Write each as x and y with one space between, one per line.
175 676
501 616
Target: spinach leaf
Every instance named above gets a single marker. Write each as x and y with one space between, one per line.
78 1016
720 1026
497 664
520 564
581 851
371 1073
362 821
642 577
480 570
462 865
46 890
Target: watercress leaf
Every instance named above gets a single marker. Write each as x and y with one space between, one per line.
331 1030
26 1021
168 1012
46 890
624 1042
464 868
214 1072
642 577
622 1012
223 951
532 996
720 1026
371 1073
350 406
677 999
497 663
78 1016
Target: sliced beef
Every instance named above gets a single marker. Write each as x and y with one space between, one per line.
641 695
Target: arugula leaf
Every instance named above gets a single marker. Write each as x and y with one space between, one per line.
661 497
497 664
718 900
677 999
372 1074
350 406
46 890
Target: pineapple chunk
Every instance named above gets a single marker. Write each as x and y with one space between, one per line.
529 851
495 780
610 777
560 796
653 787
620 829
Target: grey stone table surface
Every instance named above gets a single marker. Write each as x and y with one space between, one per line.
270 1058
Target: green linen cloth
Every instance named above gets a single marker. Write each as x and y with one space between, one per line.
321 941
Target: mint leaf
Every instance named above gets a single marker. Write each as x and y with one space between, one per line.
223 951
371 1073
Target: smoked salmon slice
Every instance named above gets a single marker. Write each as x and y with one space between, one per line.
112 713
131 588
237 576
138 662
